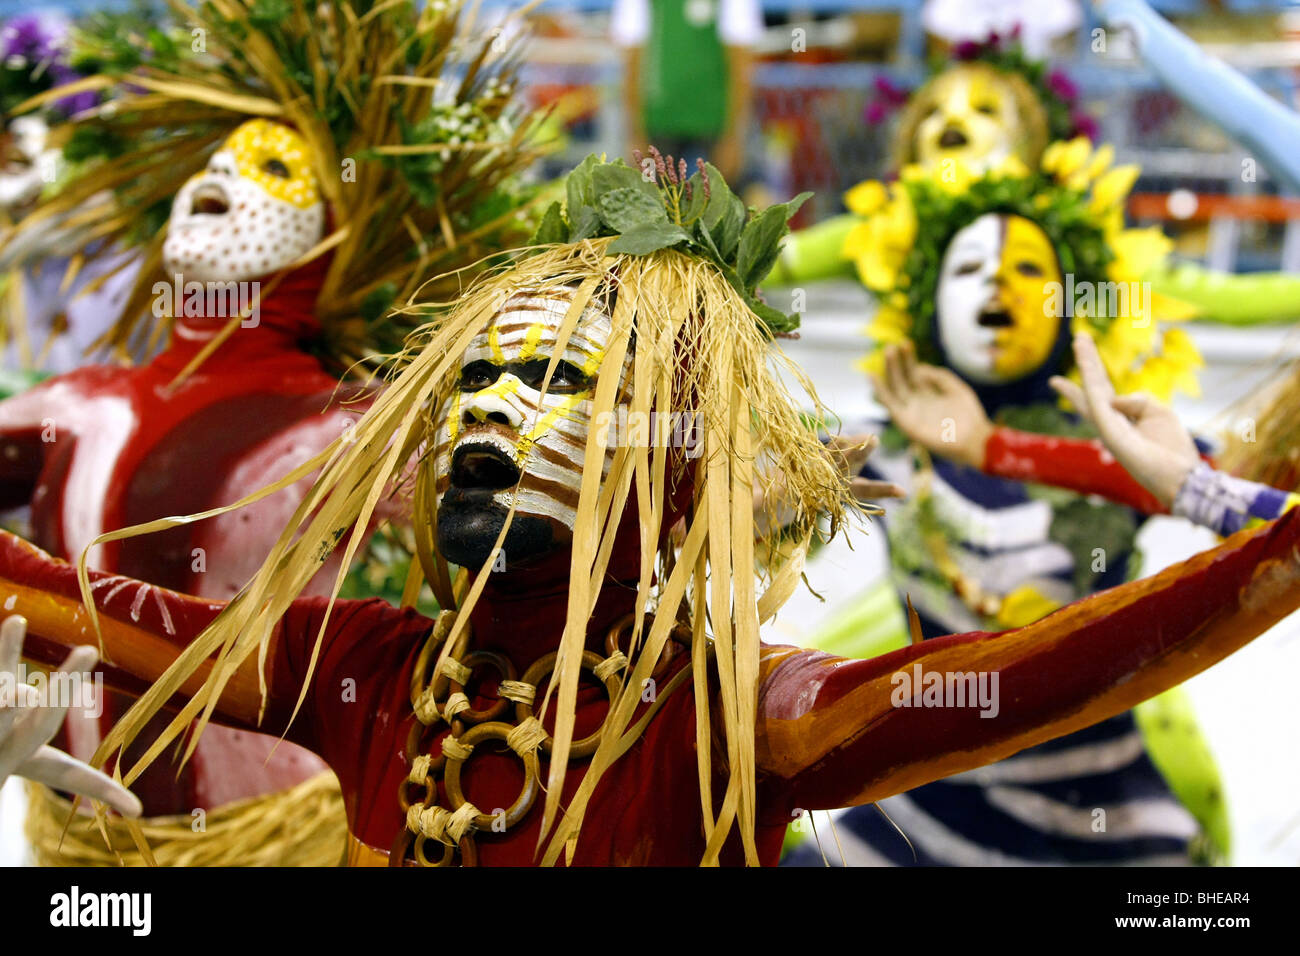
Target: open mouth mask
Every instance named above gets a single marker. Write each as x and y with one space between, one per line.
972 117
500 441
995 316
254 210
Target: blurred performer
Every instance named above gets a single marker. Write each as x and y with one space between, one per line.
687 74
47 324
986 278
990 103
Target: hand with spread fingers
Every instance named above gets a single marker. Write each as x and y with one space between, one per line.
1144 435
29 718
852 452
933 407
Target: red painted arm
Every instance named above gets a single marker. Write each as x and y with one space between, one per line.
1076 464
831 733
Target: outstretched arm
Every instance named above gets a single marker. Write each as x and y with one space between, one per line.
144 627
836 733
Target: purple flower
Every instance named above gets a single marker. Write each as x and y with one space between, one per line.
1060 84
1085 125
891 92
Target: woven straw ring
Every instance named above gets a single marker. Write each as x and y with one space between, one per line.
497 730
542 669
505 671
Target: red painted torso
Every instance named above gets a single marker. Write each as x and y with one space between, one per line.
646 810
119 446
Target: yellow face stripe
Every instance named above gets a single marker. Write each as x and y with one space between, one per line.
532 339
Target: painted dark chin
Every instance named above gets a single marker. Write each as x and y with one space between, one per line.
469 522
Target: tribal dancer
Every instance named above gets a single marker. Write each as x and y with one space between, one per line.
584 654
303 202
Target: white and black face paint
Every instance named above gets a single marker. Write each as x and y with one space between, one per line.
499 441
254 210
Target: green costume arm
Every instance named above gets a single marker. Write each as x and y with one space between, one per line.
814 253
1250 298
1180 752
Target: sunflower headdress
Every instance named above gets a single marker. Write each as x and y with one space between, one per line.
410 123
1077 198
685 255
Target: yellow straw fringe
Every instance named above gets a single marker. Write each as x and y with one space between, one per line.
304 826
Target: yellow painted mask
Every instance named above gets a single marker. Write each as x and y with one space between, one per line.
996 317
976 115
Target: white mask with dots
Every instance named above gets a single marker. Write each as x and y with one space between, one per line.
254 210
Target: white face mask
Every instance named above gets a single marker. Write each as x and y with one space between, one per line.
499 441
993 299
27 165
255 210
966 289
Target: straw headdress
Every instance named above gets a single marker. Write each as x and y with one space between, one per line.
407 112
686 256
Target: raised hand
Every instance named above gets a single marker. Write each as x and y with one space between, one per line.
933 407
1144 435
29 718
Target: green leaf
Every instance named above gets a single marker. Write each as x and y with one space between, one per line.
577 186
552 228
649 238
695 205
726 231
759 244
584 224
626 208
774 319
610 176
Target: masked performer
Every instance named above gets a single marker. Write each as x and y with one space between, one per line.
655 740
986 280
288 231
989 105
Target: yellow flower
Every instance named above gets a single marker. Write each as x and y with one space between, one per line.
1100 161
1064 159
866 199
953 176
1110 191
880 246
889 325
1137 252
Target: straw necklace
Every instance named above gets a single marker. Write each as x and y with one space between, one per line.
442 698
